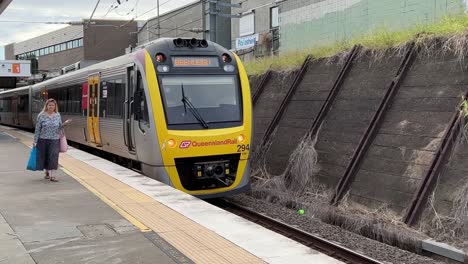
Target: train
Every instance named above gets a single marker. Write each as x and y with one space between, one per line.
179 109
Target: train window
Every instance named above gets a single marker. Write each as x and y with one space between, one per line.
6 104
217 98
112 97
37 101
74 100
119 94
23 104
143 106
62 99
3 105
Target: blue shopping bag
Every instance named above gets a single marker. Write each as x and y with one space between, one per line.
32 159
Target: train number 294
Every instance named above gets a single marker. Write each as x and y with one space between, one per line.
242 148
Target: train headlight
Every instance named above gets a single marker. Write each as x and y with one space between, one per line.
226 58
229 68
163 68
171 143
209 171
160 57
240 138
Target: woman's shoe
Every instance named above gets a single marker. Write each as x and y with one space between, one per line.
53 179
47 175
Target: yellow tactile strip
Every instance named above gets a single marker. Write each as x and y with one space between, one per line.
196 242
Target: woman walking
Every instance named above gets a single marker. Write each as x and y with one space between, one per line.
47 138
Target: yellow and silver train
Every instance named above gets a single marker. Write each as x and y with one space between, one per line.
180 109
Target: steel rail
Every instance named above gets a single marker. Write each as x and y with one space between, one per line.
441 157
261 86
286 100
372 130
310 240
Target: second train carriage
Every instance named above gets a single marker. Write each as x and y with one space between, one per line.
181 108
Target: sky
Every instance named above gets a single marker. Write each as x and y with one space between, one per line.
67 10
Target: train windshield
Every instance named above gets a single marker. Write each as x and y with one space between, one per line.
201 99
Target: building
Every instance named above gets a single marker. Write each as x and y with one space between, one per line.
266 27
3 5
326 21
75 46
255 32
194 20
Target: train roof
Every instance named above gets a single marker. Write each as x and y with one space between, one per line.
15 90
162 44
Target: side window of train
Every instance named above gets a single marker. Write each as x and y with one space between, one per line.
144 116
74 99
112 95
23 105
37 102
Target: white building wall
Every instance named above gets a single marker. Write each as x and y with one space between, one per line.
52 38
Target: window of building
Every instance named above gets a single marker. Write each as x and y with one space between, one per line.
274 17
57 48
63 46
80 42
247 24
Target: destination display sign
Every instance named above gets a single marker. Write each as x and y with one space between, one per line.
195 61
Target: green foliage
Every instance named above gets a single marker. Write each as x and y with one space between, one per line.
464 106
379 38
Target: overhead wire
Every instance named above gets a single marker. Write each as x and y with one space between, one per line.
91 17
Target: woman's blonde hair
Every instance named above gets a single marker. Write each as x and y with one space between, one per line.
51 100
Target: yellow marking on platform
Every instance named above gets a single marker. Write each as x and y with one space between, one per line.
127 216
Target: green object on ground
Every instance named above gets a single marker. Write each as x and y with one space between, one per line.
300 211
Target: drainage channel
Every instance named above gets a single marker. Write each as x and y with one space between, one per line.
322 245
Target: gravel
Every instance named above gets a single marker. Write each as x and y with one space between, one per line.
372 248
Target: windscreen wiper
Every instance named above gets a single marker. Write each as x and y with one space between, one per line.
192 109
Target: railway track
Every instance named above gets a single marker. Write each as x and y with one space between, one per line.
322 245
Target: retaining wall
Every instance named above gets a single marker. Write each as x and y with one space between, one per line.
400 153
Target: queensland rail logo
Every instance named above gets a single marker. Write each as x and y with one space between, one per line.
185 144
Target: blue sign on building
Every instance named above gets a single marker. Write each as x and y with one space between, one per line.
246 42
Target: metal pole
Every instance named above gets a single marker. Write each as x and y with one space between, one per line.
204 19
159 25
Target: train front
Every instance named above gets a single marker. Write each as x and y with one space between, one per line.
203 116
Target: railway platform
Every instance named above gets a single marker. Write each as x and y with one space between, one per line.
101 212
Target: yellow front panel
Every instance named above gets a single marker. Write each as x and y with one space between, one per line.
193 143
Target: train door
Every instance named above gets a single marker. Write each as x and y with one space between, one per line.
14 109
93 109
128 109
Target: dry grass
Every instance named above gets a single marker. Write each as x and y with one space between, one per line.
298 188
451 227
